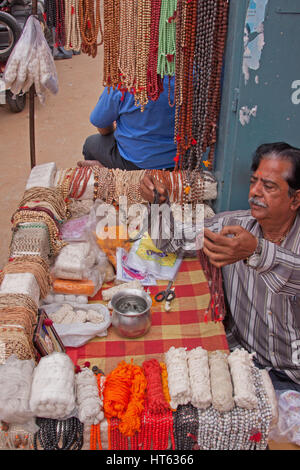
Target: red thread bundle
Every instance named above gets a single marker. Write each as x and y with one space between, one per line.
155 396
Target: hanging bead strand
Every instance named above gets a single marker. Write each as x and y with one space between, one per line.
154 81
143 44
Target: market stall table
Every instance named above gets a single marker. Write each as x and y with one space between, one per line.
186 325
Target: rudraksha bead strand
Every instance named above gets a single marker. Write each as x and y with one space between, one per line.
154 81
143 44
127 51
111 35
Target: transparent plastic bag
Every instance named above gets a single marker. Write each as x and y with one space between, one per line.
78 334
31 62
288 425
75 229
87 287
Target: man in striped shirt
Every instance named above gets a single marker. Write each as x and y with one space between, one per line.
259 253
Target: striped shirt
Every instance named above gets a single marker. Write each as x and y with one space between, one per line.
264 301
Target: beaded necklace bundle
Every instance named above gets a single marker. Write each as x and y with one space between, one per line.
111 41
30 264
211 31
182 186
90 26
73 35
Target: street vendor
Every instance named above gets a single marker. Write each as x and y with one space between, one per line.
131 139
258 251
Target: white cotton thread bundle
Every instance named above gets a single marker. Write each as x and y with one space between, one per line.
199 378
271 396
42 176
52 393
178 376
15 386
240 362
108 294
23 283
62 298
67 314
90 405
220 379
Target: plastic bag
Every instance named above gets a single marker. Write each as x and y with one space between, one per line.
87 287
126 273
75 261
31 62
75 229
78 334
288 425
144 256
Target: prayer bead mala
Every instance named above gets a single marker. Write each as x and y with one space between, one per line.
209 50
142 52
90 26
127 52
73 36
217 308
182 186
60 37
79 182
111 43
53 197
186 424
184 136
31 264
58 434
50 12
19 300
180 48
167 39
154 81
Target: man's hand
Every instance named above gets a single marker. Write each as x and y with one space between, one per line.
147 186
232 244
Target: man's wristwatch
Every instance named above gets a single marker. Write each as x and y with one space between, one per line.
253 259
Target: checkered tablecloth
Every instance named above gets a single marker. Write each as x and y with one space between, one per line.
184 326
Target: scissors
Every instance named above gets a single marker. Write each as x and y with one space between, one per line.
167 294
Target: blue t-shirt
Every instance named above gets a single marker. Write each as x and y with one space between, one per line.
144 138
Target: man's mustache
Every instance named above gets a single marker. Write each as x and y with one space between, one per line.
257 202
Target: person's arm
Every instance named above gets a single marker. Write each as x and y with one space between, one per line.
278 267
106 112
107 130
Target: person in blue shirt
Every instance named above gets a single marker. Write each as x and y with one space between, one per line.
128 138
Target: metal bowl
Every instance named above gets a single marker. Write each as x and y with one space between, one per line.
131 315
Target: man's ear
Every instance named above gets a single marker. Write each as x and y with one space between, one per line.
296 200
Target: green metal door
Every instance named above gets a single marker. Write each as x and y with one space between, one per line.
261 91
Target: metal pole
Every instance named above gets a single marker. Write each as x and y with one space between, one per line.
31 108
